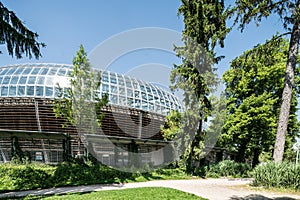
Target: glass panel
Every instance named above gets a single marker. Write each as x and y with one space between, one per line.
4 91
114 99
128 82
122 91
148 89
122 101
49 91
23 80
144 96
44 71
105 88
30 90
11 71
49 81
61 72
130 102
143 88
27 71
41 80
144 105
137 103
39 91
137 94
52 71
69 72
19 70
35 71
12 90
135 85
6 80
4 71
104 77
121 80
56 91
21 90
129 93
1 79
114 89
113 78
14 80
31 80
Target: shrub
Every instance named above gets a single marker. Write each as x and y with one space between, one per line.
284 175
225 168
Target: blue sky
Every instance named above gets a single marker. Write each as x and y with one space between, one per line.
64 25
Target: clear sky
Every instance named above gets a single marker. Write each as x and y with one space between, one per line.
65 24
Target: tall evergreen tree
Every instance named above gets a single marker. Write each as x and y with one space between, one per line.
16 36
204 29
288 12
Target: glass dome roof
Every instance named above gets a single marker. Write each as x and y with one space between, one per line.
40 81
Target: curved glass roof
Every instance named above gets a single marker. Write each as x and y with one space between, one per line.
40 80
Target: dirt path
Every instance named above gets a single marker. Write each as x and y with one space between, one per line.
214 189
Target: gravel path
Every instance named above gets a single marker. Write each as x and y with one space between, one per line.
214 189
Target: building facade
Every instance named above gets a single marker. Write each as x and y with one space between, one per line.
130 128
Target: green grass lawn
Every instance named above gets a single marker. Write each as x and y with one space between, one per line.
134 193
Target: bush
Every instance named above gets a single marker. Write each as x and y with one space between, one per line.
225 168
285 175
33 176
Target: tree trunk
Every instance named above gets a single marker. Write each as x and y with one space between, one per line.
287 90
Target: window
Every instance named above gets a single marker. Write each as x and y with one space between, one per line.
27 71
61 72
4 71
129 93
49 81
11 71
1 79
39 91
35 71
52 71
104 77
12 90
114 99
122 91
49 91
31 79
21 90
4 91
113 78
6 80
105 88
137 94
14 80
41 80
19 70
23 80
114 89
44 71
30 90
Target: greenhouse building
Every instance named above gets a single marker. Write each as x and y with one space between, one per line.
135 112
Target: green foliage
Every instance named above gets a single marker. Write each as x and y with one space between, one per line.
133 193
80 105
204 29
33 176
284 175
229 168
288 13
254 86
18 38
